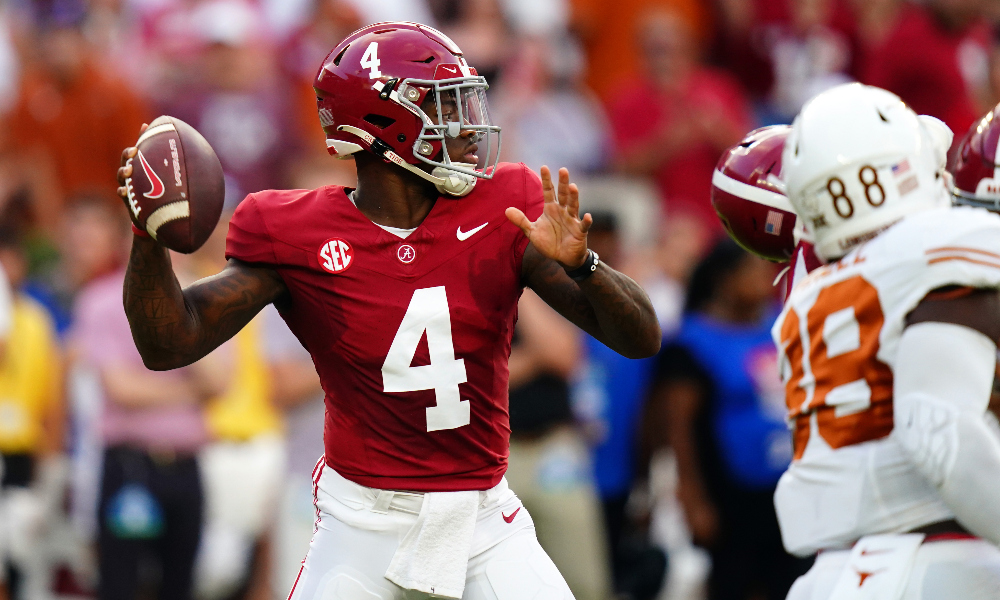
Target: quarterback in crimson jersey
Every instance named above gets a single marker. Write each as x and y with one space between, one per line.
405 292
410 335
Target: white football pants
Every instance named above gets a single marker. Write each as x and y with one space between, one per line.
943 570
352 547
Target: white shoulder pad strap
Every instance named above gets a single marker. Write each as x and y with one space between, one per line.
943 377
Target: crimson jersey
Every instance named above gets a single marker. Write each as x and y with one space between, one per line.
804 261
410 336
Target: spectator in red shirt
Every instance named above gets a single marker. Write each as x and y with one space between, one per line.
935 57
784 52
995 65
672 122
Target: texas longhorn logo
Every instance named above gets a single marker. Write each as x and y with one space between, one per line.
156 187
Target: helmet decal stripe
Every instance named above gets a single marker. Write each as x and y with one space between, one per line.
750 192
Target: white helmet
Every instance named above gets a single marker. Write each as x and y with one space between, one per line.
857 160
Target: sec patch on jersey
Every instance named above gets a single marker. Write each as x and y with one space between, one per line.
177 188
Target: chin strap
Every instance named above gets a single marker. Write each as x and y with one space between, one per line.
445 180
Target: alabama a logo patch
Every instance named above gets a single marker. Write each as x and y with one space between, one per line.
406 254
156 187
335 255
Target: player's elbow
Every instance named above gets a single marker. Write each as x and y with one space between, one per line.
155 363
645 345
652 339
650 347
155 359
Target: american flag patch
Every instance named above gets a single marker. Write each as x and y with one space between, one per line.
773 223
901 168
908 185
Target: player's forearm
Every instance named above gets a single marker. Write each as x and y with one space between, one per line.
162 327
624 313
173 327
608 305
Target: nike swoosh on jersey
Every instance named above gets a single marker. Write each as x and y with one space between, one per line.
464 235
512 515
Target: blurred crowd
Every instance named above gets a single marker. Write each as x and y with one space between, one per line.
646 479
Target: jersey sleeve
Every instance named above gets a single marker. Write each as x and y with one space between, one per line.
531 204
969 257
248 239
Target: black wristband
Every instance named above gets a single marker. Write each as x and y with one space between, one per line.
587 268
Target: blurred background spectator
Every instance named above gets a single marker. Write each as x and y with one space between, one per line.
242 465
637 97
785 53
6 311
233 97
608 396
549 117
549 465
608 32
935 55
151 500
295 389
31 425
65 132
723 404
672 120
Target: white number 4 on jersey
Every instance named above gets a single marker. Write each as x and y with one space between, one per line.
428 311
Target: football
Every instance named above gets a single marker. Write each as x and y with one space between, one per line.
177 188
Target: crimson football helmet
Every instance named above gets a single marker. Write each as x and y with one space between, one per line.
750 199
975 168
370 90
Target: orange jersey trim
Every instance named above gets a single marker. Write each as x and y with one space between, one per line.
953 249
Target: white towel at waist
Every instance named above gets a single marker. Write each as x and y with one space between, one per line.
434 555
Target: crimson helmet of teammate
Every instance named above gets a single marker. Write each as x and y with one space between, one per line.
370 90
749 197
975 168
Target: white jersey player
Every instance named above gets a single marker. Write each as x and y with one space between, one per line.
888 356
